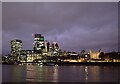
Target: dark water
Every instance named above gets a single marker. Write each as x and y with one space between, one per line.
35 73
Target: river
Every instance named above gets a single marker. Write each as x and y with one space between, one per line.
82 73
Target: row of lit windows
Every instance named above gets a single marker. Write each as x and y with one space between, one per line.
16 43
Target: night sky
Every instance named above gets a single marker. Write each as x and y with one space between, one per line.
74 25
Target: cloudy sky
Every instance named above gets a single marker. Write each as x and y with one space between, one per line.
74 25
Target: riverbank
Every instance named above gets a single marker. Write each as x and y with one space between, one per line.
71 63
86 63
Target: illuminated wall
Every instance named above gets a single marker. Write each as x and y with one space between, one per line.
16 46
94 55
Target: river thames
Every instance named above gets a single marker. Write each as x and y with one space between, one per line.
73 73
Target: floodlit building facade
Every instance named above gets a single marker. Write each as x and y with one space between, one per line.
16 46
94 55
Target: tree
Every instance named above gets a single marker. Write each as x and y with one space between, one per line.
102 55
82 53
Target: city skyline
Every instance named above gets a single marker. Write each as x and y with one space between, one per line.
75 26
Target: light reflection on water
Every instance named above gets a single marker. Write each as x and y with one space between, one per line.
86 73
38 73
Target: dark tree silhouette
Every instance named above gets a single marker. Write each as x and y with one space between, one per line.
102 55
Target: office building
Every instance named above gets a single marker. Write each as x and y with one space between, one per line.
38 42
55 48
47 46
16 46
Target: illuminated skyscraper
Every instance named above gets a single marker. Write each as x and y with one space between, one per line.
55 45
47 46
38 42
16 46
55 48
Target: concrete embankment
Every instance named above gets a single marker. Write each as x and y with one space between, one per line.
85 63
74 63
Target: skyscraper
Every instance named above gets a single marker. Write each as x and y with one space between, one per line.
47 46
16 46
38 42
55 45
55 48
